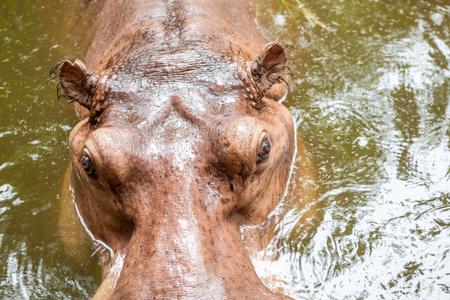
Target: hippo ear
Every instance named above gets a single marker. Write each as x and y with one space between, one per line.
269 67
77 83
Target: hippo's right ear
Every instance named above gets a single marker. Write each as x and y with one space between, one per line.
269 67
77 83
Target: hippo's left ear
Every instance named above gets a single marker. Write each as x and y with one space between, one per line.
269 67
77 83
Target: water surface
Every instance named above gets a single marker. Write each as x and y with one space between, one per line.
371 98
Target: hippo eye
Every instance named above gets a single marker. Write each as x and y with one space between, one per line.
87 165
264 151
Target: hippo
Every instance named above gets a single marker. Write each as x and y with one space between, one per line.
182 141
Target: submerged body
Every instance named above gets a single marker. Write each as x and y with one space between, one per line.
181 141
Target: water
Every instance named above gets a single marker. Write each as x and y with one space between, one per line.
34 128
370 97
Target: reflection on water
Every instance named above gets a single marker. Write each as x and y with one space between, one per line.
374 111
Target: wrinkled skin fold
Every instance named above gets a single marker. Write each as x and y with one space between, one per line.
181 141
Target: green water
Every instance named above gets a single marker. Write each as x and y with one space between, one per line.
370 97
34 128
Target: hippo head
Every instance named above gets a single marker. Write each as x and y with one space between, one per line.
175 154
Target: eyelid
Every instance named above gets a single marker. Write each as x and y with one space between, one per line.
86 152
263 136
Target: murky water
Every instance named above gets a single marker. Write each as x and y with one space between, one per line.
371 99
375 113
34 127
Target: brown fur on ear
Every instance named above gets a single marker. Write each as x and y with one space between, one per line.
77 83
269 67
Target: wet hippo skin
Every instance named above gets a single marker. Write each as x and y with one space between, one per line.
181 141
